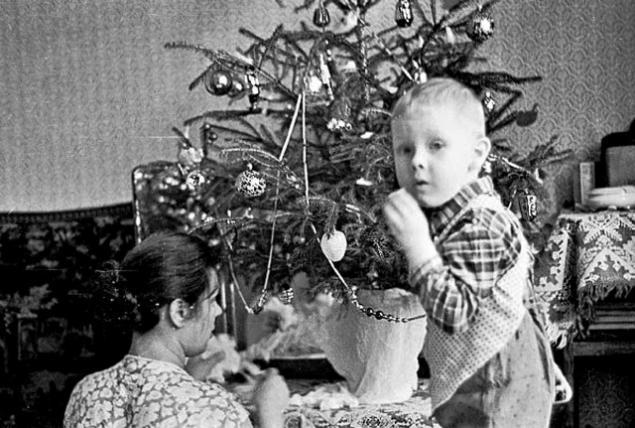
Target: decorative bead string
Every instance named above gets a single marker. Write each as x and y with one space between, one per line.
366 310
262 298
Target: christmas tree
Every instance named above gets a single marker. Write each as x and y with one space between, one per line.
294 179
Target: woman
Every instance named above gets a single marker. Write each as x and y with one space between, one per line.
167 287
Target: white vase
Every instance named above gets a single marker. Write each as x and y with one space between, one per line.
378 359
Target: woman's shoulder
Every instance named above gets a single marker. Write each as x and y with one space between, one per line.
168 395
189 399
93 401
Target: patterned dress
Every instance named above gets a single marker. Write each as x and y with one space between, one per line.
139 392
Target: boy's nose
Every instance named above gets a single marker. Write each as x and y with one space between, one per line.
418 160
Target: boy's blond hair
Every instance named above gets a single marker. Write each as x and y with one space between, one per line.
444 91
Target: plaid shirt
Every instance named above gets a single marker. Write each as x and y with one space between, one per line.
477 251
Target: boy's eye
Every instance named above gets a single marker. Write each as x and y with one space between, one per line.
435 145
406 150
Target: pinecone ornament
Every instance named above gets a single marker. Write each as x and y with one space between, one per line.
528 204
250 183
254 87
403 13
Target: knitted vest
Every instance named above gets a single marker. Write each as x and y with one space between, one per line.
453 358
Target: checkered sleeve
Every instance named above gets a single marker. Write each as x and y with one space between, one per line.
481 248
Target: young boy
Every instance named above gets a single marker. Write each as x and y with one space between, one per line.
490 363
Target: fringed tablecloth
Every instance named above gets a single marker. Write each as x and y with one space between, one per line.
587 257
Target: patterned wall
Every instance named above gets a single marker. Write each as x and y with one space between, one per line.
88 92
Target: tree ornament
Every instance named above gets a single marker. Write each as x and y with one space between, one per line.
489 103
403 13
218 82
420 76
208 137
238 86
481 26
190 156
312 84
333 245
260 303
321 17
325 76
450 37
254 87
195 180
528 204
528 117
250 183
285 295
349 21
330 61
341 114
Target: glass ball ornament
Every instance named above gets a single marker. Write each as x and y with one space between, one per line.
237 87
250 184
480 27
218 82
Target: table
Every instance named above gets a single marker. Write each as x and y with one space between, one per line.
306 413
413 413
588 263
588 256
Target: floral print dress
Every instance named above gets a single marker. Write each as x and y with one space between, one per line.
139 392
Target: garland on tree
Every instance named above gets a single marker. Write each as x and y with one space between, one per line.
304 190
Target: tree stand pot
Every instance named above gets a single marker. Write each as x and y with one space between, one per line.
377 358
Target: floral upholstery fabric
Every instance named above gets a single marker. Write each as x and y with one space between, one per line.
588 257
139 392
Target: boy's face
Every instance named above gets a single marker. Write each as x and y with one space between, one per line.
436 153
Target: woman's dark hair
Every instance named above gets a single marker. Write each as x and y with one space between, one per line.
163 267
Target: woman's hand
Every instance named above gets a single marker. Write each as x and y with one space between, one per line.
271 397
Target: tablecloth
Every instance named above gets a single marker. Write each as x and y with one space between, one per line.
588 256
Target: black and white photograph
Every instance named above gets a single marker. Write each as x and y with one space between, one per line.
317 213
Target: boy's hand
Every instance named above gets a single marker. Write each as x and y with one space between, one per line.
409 226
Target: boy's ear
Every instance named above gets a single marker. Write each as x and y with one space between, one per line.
481 151
179 312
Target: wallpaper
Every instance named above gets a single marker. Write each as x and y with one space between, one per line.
88 91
